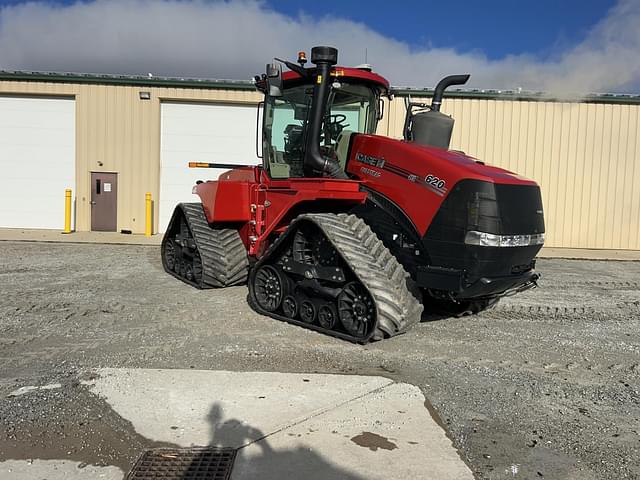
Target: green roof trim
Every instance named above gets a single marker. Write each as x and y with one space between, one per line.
490 94
128 80
176 82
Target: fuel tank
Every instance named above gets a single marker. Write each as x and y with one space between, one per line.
228 198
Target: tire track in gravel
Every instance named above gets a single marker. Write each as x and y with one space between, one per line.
575 338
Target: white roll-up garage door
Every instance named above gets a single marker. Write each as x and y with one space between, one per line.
37 160
193 132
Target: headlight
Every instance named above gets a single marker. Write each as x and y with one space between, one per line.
491 240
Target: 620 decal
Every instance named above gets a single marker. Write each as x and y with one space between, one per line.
435 181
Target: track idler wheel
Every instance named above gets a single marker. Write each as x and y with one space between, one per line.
193 269
290 306
356 310
269 288
307 311
327 316
170 255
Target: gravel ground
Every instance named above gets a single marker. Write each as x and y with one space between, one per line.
545 385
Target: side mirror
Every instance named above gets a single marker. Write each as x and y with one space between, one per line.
380 109
259 130
274 80
300 112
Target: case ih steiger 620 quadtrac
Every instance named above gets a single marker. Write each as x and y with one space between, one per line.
351 233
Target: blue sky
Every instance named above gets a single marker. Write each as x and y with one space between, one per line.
565 47
496 27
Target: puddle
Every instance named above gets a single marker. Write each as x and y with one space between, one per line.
33 388
373 441
73 425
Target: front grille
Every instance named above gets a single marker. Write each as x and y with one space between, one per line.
496 209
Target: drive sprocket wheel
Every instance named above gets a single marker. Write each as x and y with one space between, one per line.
356 309
269 288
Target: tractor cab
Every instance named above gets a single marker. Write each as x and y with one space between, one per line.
311 113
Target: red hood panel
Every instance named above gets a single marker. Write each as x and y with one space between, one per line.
418 178
420 158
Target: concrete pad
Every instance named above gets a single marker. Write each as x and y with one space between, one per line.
308 426
386 434
56 470
196 407
43 235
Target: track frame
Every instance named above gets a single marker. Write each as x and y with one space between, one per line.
367 261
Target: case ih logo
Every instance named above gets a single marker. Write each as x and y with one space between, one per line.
373 161
432 182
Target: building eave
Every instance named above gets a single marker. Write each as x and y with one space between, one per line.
206 83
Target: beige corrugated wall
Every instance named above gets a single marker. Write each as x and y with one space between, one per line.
118 132
585 156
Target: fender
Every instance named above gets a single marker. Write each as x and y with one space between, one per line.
394 228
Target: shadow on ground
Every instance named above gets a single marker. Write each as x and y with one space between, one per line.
269 463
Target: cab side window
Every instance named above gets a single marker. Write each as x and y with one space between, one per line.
284 132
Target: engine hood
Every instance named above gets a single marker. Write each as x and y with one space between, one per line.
420 158
420 177
453 160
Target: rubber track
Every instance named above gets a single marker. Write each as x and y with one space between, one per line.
223 255
398 309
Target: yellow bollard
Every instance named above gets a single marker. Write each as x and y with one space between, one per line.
148 229
67 211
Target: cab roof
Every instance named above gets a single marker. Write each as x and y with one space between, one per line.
347 73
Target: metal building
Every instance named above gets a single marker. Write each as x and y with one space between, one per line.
113 138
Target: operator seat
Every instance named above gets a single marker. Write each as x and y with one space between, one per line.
342 147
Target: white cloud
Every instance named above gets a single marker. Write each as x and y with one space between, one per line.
235 39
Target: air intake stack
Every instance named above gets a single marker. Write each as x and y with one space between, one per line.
314 162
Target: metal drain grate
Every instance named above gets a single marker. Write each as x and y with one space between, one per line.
198 463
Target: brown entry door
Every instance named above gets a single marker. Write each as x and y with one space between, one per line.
104 205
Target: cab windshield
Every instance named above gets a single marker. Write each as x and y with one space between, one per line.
350 109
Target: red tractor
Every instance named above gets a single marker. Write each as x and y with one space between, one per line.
351 233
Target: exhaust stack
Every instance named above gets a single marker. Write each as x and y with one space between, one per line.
429 126
442 85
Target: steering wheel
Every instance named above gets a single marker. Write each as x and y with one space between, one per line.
333 125
337 118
